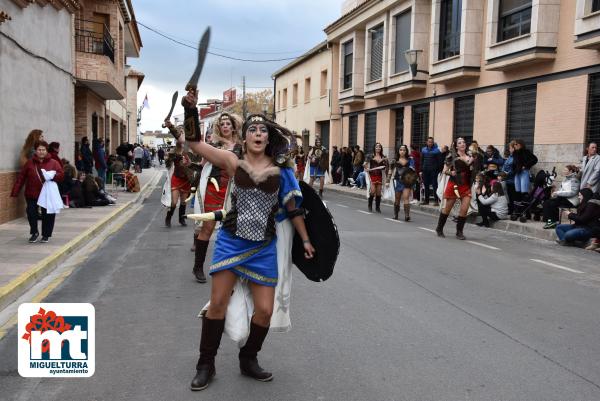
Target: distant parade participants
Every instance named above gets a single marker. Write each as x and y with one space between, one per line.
403 179
377 169
213 186
459 187
300 160
181 179
319 163
246 245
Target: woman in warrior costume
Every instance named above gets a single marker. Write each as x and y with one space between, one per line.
180 180
378 167
401 167
458 187
213 186
263 191
318 164
300 163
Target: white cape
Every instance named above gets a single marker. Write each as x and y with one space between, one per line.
241 308
50 198
165 199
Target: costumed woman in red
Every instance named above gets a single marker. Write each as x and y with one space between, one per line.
378 168
181 179
458 187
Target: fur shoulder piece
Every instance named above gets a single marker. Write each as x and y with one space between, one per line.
258 176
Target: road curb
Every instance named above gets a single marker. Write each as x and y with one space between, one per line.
502 225
11 291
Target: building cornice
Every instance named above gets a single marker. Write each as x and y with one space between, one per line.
70 5
309 54
349 15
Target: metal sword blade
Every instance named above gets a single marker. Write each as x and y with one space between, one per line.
202 50
173 101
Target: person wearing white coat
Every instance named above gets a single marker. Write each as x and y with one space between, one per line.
493 207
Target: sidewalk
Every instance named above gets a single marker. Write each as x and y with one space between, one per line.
21 263
530 228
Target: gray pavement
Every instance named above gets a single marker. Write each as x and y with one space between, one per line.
406 316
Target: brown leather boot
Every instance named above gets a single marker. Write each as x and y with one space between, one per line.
170 213
212 330
396 211
248 363
460 225
199 257
407 212
441 223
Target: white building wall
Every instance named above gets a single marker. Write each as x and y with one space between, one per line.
33 93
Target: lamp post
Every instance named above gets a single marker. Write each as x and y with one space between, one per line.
265 107
412 58
341 125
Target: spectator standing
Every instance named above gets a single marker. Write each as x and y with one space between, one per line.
566 196
32 177
430 156
416 156
509 181
161 156
138 155
523 161
347 159
86 155
336 162
28 149
492 156
590 169
100 159
53 150
357 162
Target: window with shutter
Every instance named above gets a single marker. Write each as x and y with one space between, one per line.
399 131
353 131
593 112
348 54
520 121
370 132
402 41
376 52
464 110
450 18
515 19
420 125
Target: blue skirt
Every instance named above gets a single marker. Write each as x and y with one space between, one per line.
398 186
315 171
254 260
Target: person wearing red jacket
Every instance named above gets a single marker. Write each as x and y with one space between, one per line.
32 178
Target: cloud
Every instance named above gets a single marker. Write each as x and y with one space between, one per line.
258 29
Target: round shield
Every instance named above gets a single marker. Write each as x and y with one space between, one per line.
323 235
409 177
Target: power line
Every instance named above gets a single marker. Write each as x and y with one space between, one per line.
212 53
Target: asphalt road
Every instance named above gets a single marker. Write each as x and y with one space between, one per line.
406 316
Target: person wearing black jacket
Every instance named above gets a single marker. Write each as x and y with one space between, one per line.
336 161
523 161
86 155
346 165
586 219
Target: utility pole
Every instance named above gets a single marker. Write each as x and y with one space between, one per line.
244 110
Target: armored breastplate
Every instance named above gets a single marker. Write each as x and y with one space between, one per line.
254 203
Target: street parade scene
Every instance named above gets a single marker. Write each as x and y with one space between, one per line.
300 200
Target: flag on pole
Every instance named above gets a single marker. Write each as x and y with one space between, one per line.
145 104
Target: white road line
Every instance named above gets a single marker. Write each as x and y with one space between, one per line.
340 205
484 245
426 229
557 266
362 211
395 221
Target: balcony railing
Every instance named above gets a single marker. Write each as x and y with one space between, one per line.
94 37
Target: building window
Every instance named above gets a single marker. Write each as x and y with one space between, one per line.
420 125
593 112
353 131
324 129
348 53
402 41
450 17
520 121
399 130
595 5
376 52
323 91
284 98
464 110
370 132
307 90
278 100
294 94
514 19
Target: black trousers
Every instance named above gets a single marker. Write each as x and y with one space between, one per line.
430 179
510 189
552 205
32 217
485 211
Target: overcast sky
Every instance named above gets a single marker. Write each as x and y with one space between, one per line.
249 29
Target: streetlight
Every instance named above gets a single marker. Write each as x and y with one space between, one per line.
342 125
412 56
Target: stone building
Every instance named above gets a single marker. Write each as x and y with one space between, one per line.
106 34
303 97
36 84
489 70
